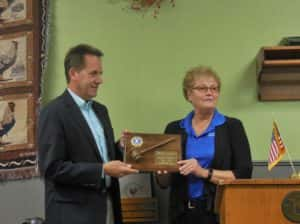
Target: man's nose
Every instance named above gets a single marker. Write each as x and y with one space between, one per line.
99 79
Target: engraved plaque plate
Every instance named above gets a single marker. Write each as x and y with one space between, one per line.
152 152
167 158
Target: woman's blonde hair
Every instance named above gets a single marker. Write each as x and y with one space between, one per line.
195 73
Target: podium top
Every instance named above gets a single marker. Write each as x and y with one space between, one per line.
261 182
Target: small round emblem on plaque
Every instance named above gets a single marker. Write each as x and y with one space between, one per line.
290 206
136 141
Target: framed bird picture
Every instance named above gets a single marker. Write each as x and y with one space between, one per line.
16 122
15 12
16 59
24 26
17 126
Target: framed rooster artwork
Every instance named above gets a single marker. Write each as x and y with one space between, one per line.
16 122
15 12
23 58
17 128
16 58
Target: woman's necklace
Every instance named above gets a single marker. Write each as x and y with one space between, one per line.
199 125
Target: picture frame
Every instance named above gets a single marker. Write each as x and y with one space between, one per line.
24 26
17 138
15 13
136 186
16 59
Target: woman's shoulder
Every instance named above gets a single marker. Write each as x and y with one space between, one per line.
173 126
233 122
174 123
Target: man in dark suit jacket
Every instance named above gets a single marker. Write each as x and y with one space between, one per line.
78 156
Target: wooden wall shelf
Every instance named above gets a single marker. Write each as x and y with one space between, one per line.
278 73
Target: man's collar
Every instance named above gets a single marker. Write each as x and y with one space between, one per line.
79 101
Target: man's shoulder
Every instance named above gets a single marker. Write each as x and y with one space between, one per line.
55 104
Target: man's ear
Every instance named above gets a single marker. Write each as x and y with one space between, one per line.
72 73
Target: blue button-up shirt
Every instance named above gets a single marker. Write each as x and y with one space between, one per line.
95 126
201 147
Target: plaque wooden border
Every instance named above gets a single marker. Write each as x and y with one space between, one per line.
153 152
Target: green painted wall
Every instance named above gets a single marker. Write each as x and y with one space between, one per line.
145 59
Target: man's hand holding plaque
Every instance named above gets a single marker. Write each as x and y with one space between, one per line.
152 152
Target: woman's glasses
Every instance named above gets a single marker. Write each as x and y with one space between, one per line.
205 89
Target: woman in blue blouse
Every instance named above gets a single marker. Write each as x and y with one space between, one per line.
215 149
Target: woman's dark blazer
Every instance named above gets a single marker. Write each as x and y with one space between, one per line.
232 152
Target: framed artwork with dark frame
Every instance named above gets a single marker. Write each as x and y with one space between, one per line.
23 58
16 122
17 128
15 12
16 59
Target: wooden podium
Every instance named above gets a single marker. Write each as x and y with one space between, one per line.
250 201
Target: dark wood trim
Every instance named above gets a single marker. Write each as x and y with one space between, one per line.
283 163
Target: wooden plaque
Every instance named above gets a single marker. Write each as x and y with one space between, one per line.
152 152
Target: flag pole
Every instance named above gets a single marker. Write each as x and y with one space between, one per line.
295 174
291 161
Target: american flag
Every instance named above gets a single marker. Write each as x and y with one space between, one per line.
277 148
